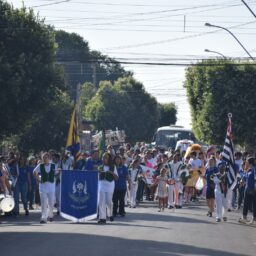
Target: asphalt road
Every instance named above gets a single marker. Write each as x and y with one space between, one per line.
144 232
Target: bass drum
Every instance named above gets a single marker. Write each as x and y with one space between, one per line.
6 203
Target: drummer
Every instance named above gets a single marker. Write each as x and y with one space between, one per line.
5 186
2 178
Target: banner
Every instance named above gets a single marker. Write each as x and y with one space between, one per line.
79 195
148 174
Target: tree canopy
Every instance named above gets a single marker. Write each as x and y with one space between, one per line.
82 64
219 88
168 114
38 81
126 105
30 82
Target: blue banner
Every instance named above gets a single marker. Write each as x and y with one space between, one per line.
79 195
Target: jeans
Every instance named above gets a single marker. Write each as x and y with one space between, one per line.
20 188
240 195
234 197
118 201
140 190
249 200
31 195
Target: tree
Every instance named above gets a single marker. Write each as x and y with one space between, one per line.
29 80
88 91
126 105
168 114
49 128
83 65
106 68
214 90
73 54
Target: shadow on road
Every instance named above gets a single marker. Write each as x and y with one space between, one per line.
160 217
129 220
64 244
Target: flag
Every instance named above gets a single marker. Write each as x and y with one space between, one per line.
228 155
73 141
79 195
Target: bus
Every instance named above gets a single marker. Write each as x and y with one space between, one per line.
167 136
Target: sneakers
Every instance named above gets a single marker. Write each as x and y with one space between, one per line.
252 222
218 220
209 214
225 218
111 218
243 220
42 222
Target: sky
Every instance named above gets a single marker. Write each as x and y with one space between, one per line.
156 31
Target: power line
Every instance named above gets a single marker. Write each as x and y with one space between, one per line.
170 64
54 3
174 39
138 5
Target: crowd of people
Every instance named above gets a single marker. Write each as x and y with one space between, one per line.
177 178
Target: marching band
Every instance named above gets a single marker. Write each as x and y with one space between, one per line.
170 177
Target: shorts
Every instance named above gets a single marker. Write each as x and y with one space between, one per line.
210 193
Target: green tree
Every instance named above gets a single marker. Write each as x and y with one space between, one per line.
49 128
214 90
83 65
126 105
106 68
168 114
88 91
29 79
73 54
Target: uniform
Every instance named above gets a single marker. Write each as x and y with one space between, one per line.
46 189
105 191
220 192
134 173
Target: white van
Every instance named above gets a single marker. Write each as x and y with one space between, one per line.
167 136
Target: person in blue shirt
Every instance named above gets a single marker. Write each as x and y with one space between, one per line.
210 185
22 186
120 187
250 191
81 163
93 162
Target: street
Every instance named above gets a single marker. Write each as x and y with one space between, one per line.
143 231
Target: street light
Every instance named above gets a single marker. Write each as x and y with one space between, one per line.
207 50
210 25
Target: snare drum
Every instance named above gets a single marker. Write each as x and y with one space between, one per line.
6 203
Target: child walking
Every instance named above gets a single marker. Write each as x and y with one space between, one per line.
162 192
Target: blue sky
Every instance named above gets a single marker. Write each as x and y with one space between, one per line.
156 31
